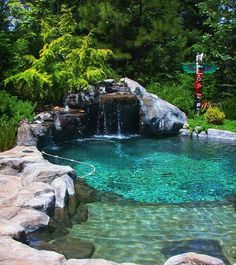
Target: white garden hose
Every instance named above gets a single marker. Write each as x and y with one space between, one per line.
75 161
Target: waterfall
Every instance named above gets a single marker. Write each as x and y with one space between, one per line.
119 132
118 114
105 128
102 127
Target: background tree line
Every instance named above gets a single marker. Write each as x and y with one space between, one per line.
50 47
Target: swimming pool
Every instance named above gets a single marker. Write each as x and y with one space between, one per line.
176 195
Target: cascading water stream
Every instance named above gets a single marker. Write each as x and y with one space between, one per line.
119 131
102 127
114 115
104 119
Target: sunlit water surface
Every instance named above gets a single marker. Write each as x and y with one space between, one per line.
183 193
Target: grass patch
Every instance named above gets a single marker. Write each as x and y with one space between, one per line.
199 121
228 125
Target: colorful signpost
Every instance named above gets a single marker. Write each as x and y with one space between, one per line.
199 68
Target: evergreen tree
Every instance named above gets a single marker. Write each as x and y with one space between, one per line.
67 62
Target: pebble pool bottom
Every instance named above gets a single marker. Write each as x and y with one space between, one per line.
183 192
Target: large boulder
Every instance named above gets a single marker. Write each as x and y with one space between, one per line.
9 188
157 116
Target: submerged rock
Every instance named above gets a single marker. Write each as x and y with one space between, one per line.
81 214
85 193
201 246
72 247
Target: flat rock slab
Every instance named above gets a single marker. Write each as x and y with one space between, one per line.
9 188
94 262
9 228
16 253
119 98
212 134
31 220
44 171
192 258
38 195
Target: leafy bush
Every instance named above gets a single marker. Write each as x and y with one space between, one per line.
229 108
12 111
8 131
214 116
66 62
180 95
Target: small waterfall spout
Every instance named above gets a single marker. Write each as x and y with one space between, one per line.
102 127
118 114
119 120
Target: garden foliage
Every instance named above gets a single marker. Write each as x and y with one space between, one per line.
214 116
179 94
228 105
48 48
67 62
12 111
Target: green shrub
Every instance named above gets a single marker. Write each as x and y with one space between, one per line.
12 111
180 95
67 62
229 108
8 129
214 116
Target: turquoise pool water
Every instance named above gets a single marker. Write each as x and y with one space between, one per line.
150 234
173 170
181 197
